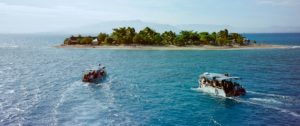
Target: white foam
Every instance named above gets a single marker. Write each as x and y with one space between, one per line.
269 107
294 47
19 109
7 45
106 104
196 89
10 92
215 121
266 100
268 94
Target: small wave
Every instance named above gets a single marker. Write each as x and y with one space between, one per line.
265 100
8 46
10 92
19 109
196 89
215 121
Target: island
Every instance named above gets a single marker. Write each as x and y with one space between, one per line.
147 38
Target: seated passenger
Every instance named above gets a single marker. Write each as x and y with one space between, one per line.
202 80
102 73
214 83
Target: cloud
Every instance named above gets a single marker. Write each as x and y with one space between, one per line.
20 18
45 15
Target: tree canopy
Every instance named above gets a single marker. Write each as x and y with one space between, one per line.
148 36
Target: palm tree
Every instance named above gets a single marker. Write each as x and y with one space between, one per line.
130 33
148 35
101 37
168 38
119 35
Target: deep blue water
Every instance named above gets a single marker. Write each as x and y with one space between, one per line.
41 85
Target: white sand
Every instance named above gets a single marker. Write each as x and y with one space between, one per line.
205 47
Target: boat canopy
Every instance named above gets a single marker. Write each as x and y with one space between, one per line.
88 71
93 69
218 76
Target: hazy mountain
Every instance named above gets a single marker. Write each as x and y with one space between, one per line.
107 27
204 27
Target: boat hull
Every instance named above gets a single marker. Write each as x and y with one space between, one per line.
94 78
220 91
213 90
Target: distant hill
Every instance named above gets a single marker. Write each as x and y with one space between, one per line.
203 27
107 27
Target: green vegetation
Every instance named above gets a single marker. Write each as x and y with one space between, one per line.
86 40
148 36
101 37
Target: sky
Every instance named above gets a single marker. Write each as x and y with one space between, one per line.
20 16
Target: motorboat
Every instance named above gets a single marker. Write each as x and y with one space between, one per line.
94 75
221 84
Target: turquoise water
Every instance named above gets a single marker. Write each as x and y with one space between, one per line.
41 85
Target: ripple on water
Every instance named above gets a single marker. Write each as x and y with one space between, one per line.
42 84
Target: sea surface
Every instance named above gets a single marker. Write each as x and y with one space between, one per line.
41 85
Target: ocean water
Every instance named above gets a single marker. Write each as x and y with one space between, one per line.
41 85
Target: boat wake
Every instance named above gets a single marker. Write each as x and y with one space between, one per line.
100 97
266 94
215 121
270 101
294 47
267 106
273 98
266 100
196 89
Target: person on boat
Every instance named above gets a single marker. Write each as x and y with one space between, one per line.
90 75
102 73
85 77
218 84
214 83
202 80
95 74
206 82
101 67
226 74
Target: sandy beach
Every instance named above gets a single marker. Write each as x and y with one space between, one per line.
205 47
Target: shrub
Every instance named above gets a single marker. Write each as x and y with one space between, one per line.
86 40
